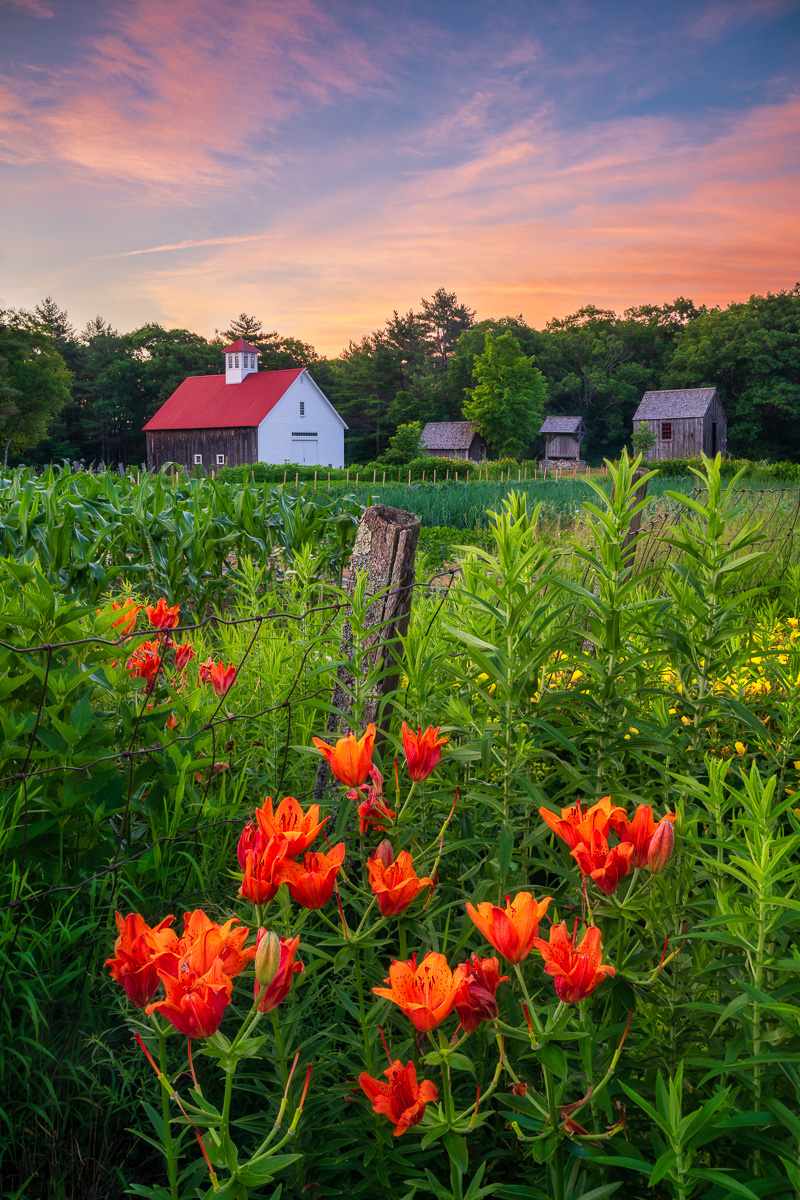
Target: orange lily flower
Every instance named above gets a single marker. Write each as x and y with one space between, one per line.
351 758
221 941
145 662
661 846
184 653
197 985
374 810
604 865
402 1099
577 970
640 831
129 608
312 883
221 678
576 824
476 1001
511 930
269 997
426 993
163 617
204 671
263 860
290 822
136 952
423 751
396 883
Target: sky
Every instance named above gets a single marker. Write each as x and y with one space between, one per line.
320 163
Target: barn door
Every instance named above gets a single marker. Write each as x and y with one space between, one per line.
305 450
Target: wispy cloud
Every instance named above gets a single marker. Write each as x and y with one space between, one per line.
34 7
188 244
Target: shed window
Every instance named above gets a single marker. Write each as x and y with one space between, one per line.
220 460
666 431
198 460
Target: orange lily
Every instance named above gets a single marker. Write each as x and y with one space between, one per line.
604 865
640 831
290 822
476 1001
576 824
184 653
351 758
269 997
312 883
221 678
145 662
136 952
222 941
661 846
402 1099
396 883
577 970
373 810
162 617
197 985
426 993
423 751
263 860
511 930
129 608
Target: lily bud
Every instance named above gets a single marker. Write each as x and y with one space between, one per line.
384 854
661 846
268 956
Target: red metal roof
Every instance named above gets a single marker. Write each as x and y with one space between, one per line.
241 344
208 402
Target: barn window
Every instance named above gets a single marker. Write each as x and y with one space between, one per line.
302 408
304 434
230 360
198 460
666 431
236 363
220 460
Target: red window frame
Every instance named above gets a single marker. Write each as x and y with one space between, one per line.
666 431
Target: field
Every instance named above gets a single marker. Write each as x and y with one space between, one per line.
645 1043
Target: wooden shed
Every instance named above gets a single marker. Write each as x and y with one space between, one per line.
453 439
684 422
562 440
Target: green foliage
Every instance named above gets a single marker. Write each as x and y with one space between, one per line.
643 440
34 381
404 446
508 400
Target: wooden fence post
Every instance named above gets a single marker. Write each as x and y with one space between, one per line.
384 551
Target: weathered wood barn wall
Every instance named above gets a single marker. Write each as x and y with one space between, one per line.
237 446
563 437
685 423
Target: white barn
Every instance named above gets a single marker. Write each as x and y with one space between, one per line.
246 416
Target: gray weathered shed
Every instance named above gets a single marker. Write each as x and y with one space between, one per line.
684 422
453 439
563 437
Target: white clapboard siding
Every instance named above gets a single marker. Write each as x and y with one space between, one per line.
285 434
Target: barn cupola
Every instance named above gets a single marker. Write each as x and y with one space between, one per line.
241 359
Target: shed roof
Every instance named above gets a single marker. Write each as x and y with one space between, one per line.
208 402
688 402
448 435
562 425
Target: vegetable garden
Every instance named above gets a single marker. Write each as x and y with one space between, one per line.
536 938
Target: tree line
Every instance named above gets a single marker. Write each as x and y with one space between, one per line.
86 395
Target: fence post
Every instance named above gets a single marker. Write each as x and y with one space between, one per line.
384 477
434 474
384 551
409 477
284 477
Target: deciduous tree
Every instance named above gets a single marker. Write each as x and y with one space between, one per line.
508 400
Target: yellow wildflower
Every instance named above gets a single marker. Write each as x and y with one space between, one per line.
740 748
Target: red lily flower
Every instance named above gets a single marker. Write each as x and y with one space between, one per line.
312 883
511 930
604 865
162 617
402 1099
129 608
198 987
290 822
423 751
136 952
144 663
184 653
577 824
351 758
661 846
373 810
221 678
396 883
204 671
426 993
577 970
263 860
270 996
476 1001
640 831
226 942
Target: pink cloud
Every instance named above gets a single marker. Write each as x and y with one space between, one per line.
34 7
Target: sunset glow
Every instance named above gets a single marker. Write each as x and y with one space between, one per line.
320 165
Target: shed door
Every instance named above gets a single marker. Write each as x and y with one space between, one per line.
305 449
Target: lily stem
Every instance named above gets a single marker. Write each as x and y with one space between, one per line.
169 1146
